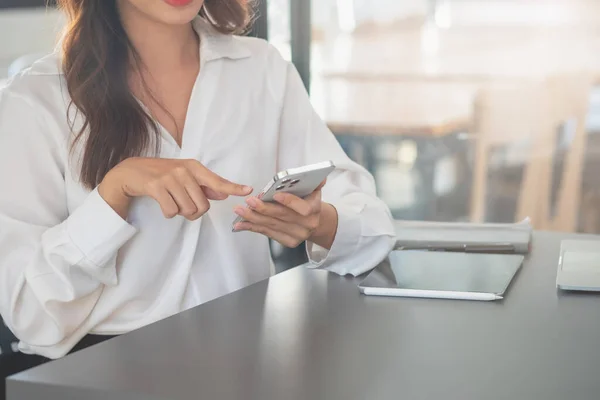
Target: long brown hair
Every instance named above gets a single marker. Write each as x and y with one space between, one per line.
96 57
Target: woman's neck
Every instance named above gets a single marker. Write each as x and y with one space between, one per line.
162 48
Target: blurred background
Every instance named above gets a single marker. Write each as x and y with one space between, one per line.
463 110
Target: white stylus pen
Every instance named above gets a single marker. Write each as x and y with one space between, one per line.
431 294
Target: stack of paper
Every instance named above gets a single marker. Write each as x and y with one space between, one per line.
452 236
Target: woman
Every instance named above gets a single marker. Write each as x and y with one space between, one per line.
125 158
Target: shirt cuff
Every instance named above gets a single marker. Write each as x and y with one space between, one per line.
97 230
346 242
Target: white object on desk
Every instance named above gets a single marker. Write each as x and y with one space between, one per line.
430 294
579 265
442 275
470 236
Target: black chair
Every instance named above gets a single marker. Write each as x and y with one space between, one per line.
8 341
11 361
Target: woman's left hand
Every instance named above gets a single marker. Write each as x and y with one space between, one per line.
291 220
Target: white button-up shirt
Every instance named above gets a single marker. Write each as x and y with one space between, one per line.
69 265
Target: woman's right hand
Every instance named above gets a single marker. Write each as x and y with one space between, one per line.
181 187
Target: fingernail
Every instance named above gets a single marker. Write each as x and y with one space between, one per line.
236 227
247 189
239 211
252 202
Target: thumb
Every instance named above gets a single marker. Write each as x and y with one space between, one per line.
321 185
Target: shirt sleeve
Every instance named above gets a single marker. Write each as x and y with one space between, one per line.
365 233
53 265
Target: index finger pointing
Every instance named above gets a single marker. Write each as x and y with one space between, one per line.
222 185
209 179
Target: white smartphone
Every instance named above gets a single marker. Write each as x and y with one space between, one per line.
301 182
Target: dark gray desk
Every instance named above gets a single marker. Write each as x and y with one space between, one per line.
310 335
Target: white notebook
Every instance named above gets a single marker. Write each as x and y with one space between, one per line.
485 238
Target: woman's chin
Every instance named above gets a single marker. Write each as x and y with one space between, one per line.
171 12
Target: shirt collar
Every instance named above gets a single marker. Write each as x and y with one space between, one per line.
215 45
